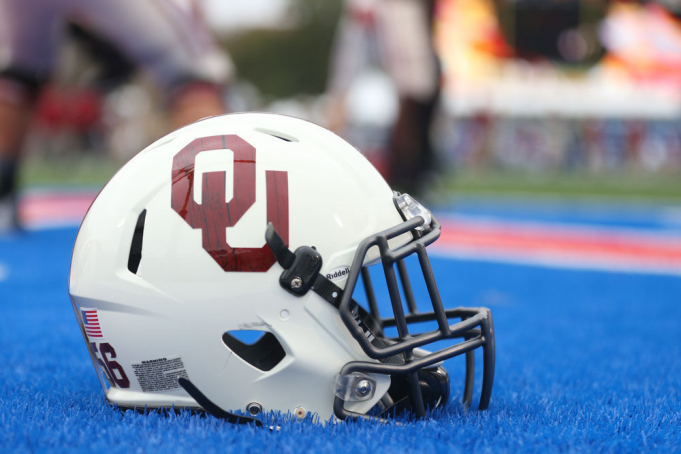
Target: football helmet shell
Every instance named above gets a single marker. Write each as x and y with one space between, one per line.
171 263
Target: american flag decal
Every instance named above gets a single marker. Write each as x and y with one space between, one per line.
91 323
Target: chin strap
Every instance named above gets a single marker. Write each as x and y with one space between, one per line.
301 274
213 409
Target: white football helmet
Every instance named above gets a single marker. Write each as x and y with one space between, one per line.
187 252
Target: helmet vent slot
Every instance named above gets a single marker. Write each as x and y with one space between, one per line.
135 256
278 135
260 349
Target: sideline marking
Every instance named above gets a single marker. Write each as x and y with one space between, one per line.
561 246
539 243
54 209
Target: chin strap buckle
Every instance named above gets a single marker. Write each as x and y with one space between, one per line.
301 269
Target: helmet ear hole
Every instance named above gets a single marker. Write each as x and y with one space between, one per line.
260 349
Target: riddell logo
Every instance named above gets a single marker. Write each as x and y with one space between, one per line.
338 273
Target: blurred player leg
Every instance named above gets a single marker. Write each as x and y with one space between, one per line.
406 31
26 47
170 41
411 160
349 56
15 116
165 37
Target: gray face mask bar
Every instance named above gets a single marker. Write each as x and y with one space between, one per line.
476 326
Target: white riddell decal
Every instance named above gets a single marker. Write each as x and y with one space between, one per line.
338 273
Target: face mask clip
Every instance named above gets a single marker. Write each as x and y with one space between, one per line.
355 387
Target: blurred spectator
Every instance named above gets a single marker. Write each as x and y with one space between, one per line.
398 36
165 38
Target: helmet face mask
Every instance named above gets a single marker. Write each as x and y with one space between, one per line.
414 372
188 247
403 356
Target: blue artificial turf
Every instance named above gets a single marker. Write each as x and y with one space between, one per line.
659 216
586 361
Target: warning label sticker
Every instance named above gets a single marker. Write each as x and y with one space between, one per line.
159 374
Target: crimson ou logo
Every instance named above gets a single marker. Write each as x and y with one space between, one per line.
213 215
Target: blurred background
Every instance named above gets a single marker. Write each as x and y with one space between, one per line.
545 136
570 97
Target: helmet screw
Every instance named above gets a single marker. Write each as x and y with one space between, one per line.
301 412
296 283
363 388
253 408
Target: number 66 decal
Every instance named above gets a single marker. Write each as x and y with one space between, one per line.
112 369
213 215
